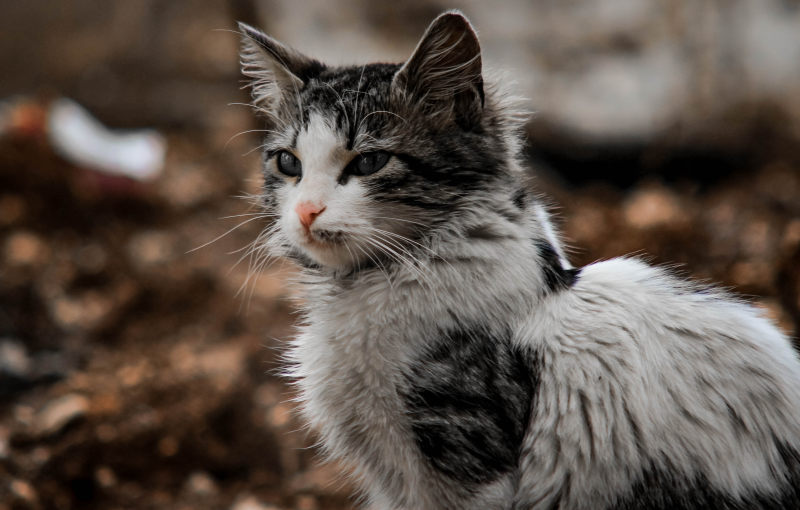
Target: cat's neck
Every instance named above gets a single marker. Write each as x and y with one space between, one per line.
492 266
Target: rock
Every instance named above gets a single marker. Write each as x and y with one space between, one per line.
250 502
19 370
23 491
187 186
58 413
280 415
653 207
200 483
223 364
25 249
151 248
105 477
14 360
82 312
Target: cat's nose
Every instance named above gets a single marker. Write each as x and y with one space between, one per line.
308 212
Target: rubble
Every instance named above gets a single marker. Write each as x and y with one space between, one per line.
55 415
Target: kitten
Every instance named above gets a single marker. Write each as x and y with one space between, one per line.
451 356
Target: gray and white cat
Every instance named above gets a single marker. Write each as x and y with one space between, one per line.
449 353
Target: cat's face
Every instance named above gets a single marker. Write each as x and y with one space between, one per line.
331 165
364 164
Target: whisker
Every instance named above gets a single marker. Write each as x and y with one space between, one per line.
222 235
400 219
263 214
377 263
386 112
246 131
401 255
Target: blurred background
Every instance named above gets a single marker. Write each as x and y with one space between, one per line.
137 374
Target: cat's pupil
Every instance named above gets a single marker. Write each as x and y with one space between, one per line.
370 162
288 164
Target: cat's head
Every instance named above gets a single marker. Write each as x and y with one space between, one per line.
367 164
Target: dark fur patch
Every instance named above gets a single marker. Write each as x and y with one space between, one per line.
469 402
520 198
556 276
658 490
435 184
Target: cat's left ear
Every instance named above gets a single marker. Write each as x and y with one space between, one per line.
444 72
276 71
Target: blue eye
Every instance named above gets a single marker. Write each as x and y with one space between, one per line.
368 163
288 164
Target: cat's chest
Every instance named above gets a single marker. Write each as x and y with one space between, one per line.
350 364
452 395
359 349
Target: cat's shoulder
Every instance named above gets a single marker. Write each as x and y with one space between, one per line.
632 318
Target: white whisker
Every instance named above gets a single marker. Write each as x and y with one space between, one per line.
222 235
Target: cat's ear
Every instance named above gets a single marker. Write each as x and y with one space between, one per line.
445 70
275 70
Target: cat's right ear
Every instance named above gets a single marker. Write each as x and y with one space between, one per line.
275 71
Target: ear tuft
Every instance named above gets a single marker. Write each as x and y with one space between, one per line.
445 70
275 71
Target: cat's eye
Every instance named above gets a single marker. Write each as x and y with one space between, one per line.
288 164
368 163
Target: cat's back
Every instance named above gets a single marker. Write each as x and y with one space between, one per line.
667 379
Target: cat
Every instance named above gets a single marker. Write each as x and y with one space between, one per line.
450 355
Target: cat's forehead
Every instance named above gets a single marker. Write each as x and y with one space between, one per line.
340 103
344 92
319 142
355 78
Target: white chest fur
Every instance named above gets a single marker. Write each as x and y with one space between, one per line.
355 352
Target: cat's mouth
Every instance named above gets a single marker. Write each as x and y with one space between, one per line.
329 248
324 240
325 237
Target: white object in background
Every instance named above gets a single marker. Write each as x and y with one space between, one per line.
82 139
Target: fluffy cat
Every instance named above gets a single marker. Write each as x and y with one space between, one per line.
451 356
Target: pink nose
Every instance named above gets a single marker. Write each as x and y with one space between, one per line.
308 212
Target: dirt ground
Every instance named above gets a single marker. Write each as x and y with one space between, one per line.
140 350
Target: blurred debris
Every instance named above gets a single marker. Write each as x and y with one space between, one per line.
14 360
648 208
81 139
105 477
248 502
22 117
25 249
200 483
60 412
23 492
112 156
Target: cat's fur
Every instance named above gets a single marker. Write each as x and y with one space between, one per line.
449 353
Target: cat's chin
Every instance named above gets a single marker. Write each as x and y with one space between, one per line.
331 255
